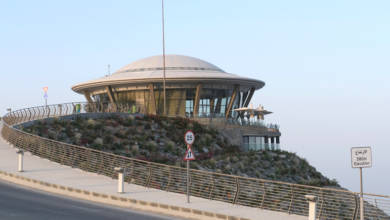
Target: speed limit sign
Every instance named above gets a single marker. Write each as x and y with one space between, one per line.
189 137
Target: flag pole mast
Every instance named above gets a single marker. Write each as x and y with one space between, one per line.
163 42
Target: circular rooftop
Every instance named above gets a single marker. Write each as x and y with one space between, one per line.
179 69
177 62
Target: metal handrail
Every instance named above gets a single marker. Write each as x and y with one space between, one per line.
261 193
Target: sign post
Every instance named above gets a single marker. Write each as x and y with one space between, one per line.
361 157
189 138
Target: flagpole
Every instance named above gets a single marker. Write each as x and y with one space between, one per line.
163 41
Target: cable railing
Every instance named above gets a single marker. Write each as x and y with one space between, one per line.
332 203
41 112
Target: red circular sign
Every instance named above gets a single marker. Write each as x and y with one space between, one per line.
189 137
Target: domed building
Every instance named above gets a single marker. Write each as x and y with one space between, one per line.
194 88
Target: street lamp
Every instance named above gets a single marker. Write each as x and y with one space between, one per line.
163 41
45 94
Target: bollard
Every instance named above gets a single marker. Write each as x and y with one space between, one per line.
20 160
312 206
121 178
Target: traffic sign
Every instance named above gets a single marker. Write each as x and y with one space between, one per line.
361 157
189 154
189 137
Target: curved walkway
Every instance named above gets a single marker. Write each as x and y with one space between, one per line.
16 204
44 170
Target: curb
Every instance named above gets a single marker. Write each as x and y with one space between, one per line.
140 205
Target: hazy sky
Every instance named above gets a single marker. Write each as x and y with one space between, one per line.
326 64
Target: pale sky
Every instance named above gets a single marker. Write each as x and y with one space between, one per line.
326 64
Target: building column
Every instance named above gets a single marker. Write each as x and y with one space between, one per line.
91 105
244 96
249 97
272 143
87 96
212 107
266 143
197 99
111 97
231 102
278 143
239 98
218 106
152 100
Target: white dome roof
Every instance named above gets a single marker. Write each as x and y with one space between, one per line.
178 62
179 69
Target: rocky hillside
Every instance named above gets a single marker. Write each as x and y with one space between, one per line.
161 139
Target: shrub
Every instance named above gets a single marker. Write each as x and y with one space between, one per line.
147 126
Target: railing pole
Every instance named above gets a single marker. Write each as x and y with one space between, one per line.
361 195
212 186
237 191
292 198
149 176
264 192
322 203
169 179
188 181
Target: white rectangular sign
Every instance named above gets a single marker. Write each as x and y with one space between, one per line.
361 157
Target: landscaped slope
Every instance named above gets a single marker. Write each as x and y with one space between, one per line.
161 139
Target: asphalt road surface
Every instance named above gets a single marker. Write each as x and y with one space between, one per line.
17 203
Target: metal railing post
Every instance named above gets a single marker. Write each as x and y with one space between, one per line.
149 176
237 191
292 198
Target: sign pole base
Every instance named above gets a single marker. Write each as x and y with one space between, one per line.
188 181
361 195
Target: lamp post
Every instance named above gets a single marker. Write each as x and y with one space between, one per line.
163 42
45 94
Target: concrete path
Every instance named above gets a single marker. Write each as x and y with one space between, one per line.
47 171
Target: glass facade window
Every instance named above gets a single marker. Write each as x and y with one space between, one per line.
223 106
204 107
180 101
189 108
253 143
101 98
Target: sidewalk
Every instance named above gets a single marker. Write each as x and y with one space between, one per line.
44 170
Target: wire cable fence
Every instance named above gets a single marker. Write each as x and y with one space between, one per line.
285 197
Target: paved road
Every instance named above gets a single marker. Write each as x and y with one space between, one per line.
18 203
